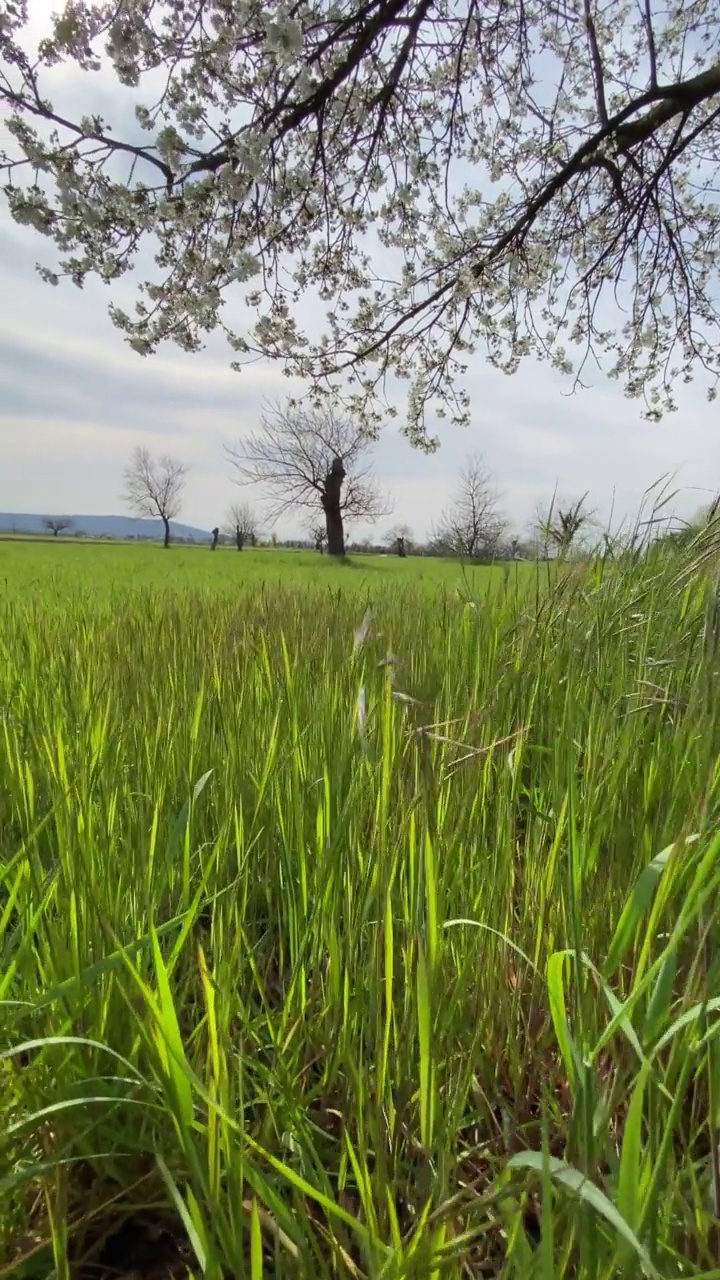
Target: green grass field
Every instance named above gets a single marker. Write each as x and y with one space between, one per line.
339 944
55 568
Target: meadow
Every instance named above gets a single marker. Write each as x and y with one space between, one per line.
358 921
55 568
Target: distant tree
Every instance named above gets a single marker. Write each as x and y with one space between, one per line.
472 525
560 527
57 524
682 533
318 533
314 458
215 536
400 540
242 524
521 546
154 487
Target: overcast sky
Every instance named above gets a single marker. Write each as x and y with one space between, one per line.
76 401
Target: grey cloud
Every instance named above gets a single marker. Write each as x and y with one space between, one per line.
37 380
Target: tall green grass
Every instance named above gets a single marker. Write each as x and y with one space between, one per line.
366 947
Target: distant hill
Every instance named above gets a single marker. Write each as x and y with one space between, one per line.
102 527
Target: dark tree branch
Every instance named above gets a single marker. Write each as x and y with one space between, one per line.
598 75
652 52
43 111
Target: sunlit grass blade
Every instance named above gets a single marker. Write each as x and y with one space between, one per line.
576 1183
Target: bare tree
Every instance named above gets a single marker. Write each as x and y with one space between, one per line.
242 524
154 487
473 525
57 524
318 533
599 123
312 457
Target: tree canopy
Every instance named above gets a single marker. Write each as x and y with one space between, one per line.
438 176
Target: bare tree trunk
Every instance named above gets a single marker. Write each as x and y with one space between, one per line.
331 506
238 537
166 541
335 532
